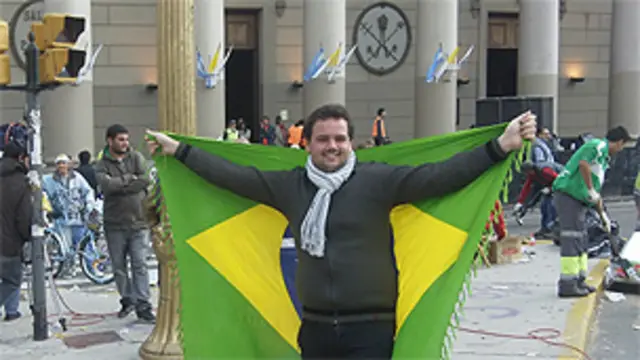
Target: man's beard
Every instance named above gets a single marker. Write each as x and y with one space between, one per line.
118 151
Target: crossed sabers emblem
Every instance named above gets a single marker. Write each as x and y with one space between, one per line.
215 71
382 39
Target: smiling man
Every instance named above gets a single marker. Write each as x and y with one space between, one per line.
339 213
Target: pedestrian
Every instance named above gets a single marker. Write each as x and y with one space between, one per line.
72 200
346 273
540 178
15 224
85 168
576 189
379 131
121 175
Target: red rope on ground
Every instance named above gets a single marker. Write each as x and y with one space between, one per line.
536 335
544 335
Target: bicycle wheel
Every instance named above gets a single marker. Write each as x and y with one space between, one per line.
94 259
54 246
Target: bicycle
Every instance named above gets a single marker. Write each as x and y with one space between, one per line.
91 250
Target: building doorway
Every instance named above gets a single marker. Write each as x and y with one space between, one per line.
502 55
242 88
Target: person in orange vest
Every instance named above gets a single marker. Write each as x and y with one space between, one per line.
379 132
295 135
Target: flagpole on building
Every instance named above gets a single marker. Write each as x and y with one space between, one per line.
176 113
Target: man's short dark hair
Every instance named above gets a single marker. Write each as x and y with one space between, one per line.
84 157
619 133
115 130
325 112
381 111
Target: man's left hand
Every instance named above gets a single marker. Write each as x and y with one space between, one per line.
521 128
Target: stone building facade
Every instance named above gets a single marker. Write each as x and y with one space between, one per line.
274 39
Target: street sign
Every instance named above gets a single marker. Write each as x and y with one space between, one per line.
20 26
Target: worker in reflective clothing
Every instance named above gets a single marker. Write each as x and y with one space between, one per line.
379 132
576 188
231 133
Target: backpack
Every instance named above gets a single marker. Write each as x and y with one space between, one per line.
13 132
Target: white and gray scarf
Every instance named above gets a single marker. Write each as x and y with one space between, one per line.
314 224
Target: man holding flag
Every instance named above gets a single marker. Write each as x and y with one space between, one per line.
346 277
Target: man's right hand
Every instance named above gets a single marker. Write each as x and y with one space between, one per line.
594 197
160 143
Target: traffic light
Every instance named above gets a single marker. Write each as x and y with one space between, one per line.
56 36
5 59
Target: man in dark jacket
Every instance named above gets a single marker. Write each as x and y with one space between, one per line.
121 175
87 171
15 218
346 278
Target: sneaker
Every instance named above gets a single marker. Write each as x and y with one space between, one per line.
11 317
146 315
126 309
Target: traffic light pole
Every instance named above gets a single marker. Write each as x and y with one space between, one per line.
32 117
32 88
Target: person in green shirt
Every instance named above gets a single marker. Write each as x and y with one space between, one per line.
576 189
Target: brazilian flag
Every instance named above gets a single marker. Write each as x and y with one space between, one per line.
235 303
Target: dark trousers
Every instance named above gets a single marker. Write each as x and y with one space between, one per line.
371 340
10 277
573 237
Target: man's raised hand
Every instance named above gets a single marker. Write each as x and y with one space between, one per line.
521 128
159 143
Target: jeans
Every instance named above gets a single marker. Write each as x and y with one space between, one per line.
10 281
131 242
13 303
370 340
72 234
548 212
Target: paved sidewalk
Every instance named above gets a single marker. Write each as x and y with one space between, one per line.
511 299
515 299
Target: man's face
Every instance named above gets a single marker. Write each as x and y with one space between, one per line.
545 134
330 144
616 147
265 122
62 167
119 144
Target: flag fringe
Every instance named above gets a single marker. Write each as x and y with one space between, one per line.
466 289
164 239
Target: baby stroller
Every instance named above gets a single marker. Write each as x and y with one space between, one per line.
599 241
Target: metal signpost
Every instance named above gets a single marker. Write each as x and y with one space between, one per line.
32 88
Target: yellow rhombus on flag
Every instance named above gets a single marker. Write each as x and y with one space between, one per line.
235 303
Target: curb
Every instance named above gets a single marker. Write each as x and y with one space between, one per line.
582 314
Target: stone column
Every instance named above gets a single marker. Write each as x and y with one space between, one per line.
324 25
176 113
435 103
624 79
538 51
67 112
210 32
